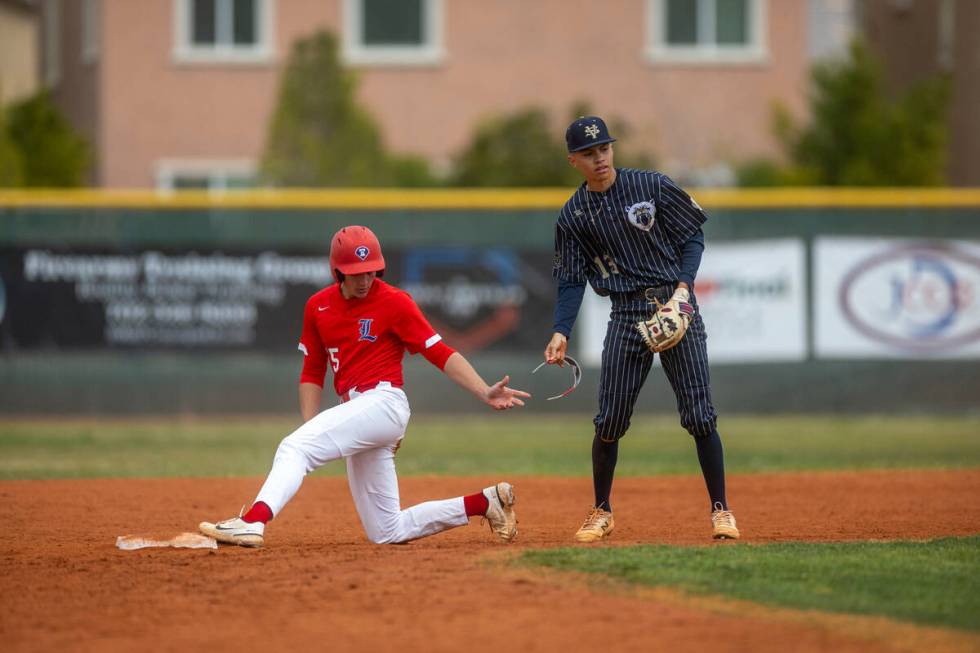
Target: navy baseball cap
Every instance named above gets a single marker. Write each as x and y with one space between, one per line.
586 132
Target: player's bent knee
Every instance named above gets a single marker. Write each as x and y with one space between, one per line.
700 429
388 537
609 438
288 450
610 430
384 531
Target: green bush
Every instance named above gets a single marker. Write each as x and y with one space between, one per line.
524 149
11 162
410 171
519 149
50 152
857 136
320 136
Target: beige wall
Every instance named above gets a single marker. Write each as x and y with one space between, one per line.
19 54
567 50
501 56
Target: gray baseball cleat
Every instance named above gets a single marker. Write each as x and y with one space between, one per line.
500 512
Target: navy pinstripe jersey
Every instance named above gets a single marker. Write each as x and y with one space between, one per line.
627 237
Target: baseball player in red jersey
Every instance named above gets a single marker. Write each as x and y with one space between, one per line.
360 327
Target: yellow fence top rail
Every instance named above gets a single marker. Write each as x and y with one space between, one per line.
478 199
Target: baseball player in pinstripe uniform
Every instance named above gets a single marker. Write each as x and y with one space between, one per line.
635 236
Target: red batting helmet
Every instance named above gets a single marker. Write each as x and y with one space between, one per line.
355 250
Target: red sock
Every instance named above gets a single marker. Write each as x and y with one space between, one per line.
476 504
258 512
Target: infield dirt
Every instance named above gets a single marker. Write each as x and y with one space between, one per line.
320 585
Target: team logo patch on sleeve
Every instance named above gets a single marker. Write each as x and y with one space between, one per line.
641 215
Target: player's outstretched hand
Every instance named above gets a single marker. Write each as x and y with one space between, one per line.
500 397
554 353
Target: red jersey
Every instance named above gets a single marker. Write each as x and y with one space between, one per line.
364 340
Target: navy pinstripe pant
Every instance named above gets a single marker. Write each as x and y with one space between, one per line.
626 361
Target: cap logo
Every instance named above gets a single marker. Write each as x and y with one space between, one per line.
362 252
592 131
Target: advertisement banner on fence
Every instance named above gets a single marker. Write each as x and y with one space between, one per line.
896 298
478 298
482 298
155 299
752 297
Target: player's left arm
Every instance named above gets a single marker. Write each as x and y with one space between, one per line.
498 396
669 323
419 337
680 215
691 254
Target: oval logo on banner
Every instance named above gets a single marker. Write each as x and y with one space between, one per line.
922 297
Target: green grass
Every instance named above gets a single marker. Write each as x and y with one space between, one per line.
932 583
511 443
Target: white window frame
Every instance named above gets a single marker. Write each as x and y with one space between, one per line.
91 30
659 51
264 50
52 42
428 53
217 171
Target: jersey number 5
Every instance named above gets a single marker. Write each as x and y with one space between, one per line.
607 268
334 361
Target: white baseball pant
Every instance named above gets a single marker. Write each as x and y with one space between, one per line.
365 430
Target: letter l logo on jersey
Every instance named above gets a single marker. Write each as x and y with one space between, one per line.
365 326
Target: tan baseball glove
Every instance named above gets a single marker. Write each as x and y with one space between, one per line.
669 323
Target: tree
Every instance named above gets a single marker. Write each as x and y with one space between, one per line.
519 149
857 135
320 136
524 149
51 153
11 163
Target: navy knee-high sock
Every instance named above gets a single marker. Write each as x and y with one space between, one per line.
604 456
712 459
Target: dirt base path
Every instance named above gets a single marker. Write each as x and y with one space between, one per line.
319 585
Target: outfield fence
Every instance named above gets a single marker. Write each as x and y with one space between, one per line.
142 302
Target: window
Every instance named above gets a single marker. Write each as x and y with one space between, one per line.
52 42
710 31
212 175
223 31
90 30
393 32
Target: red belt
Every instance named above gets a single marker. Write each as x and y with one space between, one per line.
370 386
